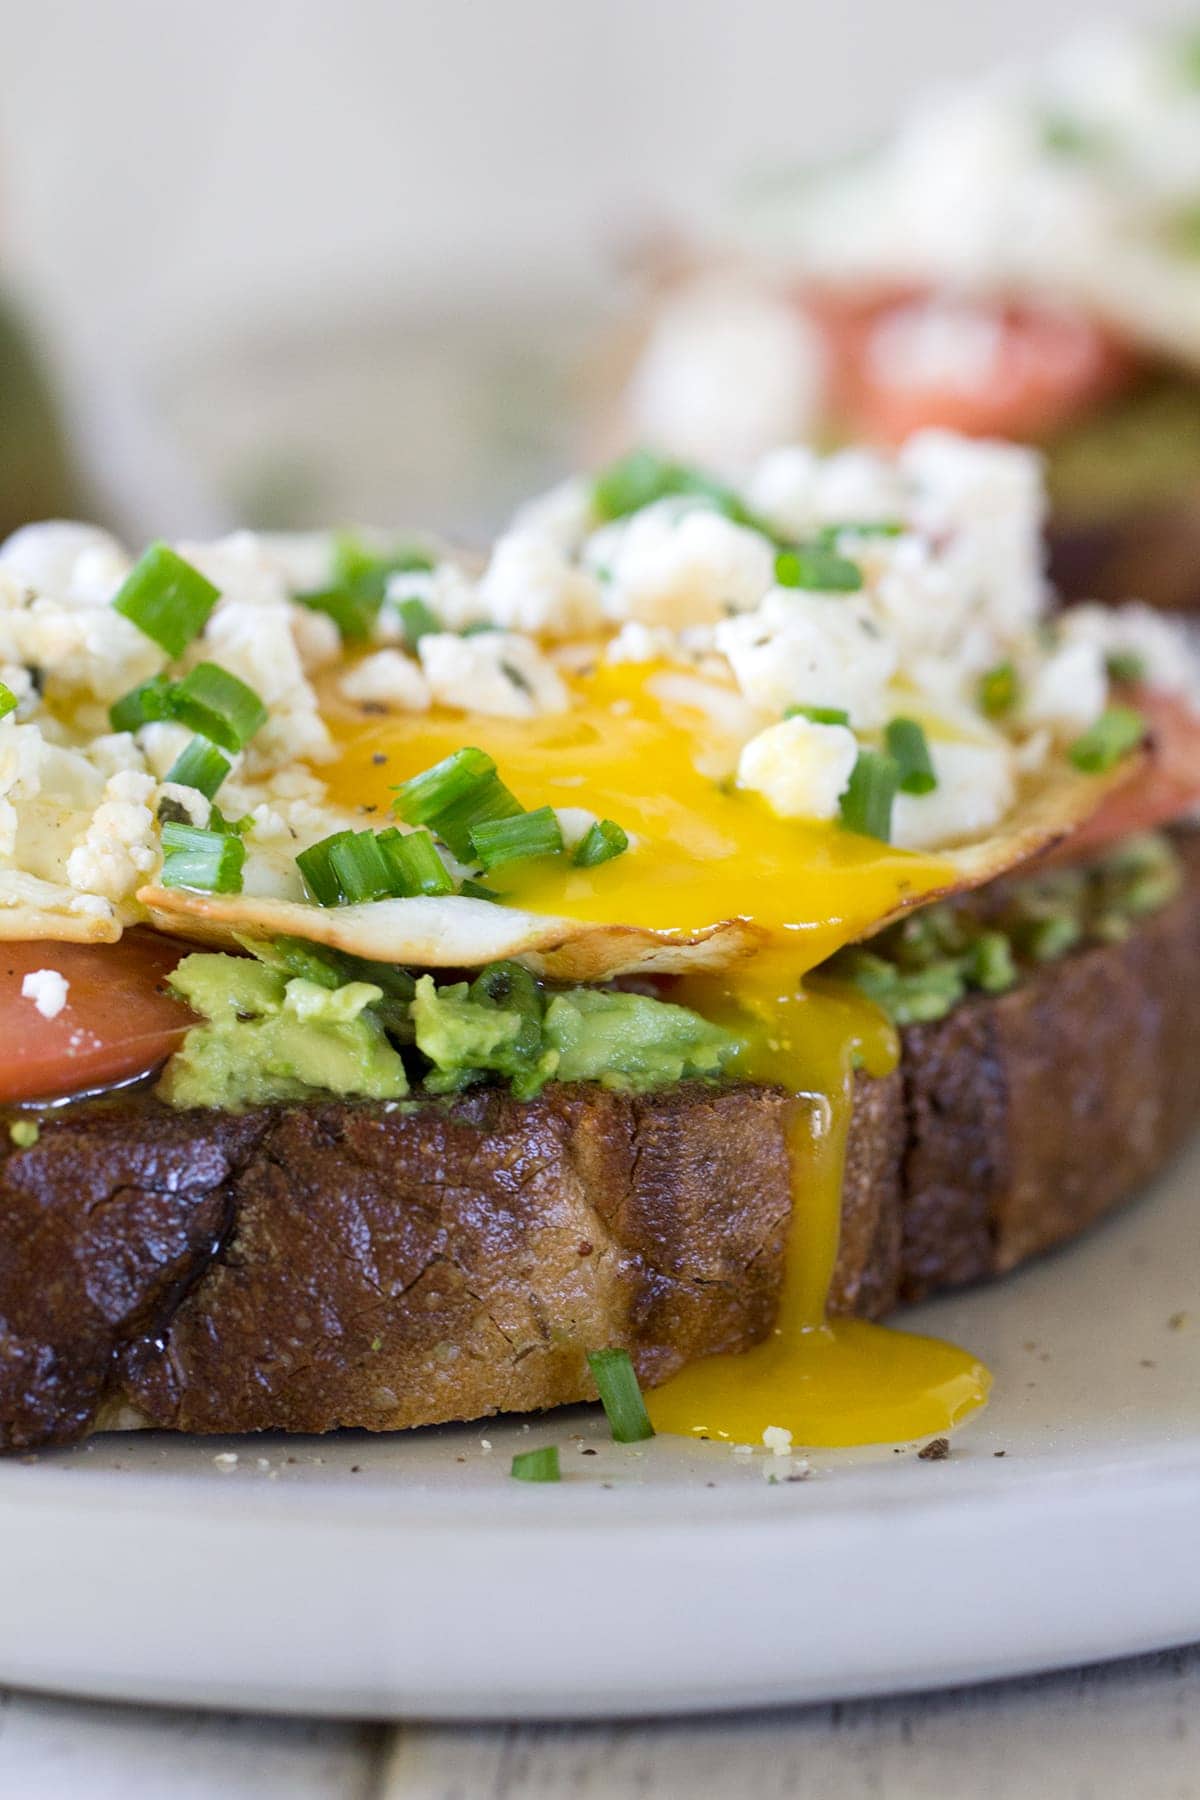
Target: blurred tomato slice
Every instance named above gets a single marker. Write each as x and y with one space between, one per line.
1167 789
906 361
118 1020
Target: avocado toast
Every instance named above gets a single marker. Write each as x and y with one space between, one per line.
658 940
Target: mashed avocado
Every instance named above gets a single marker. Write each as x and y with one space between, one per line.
919 969
271 1034
270 1038
1141 451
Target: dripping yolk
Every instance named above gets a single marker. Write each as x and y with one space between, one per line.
636 748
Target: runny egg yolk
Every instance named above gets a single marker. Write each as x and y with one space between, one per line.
701 853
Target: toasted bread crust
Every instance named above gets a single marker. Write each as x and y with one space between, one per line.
309 1267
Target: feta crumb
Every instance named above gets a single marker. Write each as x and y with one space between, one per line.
729 366
563 515
676 566
804 649
496 672
388 677
975 788
226 1459
47 989
529 585
485 1444
778 1440
447 591
801 769
119 848
1067 690
1165 648
638 643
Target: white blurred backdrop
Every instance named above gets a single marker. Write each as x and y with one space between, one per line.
344 256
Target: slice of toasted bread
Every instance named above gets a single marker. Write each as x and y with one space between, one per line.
302 1268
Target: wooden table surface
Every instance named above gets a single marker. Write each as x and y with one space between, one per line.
1129 1730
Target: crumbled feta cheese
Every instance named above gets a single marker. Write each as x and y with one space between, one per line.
52 556
497 672
196 807
564 515
161 743
120 847
778 1440
448 591
390 678
800 768
1067 690
676 566
253 640
317 638
638 643
796 491
802 649
728 367
47 988
975 788
530 585
1166 650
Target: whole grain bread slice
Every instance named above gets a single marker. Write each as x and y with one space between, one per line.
304 1268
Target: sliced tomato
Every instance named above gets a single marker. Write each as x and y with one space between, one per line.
118 1020
1167 789
987 369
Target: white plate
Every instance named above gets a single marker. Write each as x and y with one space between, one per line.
411 1576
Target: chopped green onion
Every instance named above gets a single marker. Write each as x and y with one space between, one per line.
492 801
819 715
366 572
359 867
418 621
233 827
420 799
1116 732
144 705
167 599
318 872
1125 665
866 805
829 534
209 861
602 840
475 890
990 963
641 478
819 568
351 613
218 705
200 765
460 792
537 1465
479 628
999 690
294 956
909 750
8 700
414 862
621 1397
497 841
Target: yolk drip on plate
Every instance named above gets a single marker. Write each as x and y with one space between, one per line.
703 853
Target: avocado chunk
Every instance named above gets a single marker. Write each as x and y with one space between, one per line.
271 1038
631 1041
